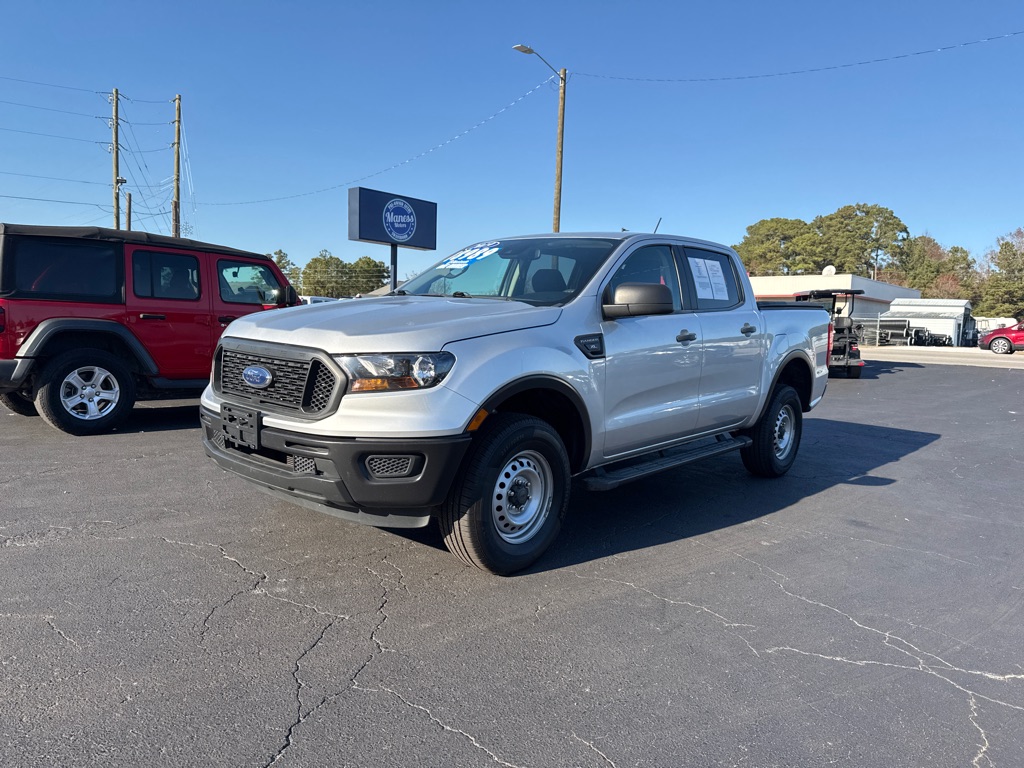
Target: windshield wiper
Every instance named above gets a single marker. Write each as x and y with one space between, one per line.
461 295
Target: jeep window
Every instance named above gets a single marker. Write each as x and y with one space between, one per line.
242 282
162 275
714 280
539 271
65 270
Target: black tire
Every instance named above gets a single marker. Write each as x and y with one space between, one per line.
1001 346
776 437
17 402
85 392
853 371
498 528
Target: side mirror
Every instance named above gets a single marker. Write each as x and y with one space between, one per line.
289 297
636 299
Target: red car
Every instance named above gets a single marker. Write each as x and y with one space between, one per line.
92 319
1004 341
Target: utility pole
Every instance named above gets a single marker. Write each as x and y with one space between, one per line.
176 203
116 151
558 153
128 213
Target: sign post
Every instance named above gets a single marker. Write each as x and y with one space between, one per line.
390 219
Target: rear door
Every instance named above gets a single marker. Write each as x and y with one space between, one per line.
652 363
735 340
169 309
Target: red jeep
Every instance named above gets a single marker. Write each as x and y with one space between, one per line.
92 319
1004 341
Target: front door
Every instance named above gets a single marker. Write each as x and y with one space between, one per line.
652 363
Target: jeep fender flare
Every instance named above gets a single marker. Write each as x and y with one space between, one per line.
47 330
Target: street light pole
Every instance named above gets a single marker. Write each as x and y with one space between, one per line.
556 220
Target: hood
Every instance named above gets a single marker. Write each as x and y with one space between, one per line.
390 323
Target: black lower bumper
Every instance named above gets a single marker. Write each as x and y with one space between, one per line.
381 482
13 373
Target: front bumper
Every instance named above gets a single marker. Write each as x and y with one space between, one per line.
390 483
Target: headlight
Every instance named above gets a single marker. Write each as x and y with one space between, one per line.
383 373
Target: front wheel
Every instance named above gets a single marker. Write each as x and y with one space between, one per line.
507 505
1001 346
776 437
85 392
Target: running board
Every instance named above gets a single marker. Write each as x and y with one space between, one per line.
605 479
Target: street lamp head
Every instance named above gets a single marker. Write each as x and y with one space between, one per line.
523 48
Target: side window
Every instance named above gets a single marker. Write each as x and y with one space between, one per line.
650 264
242 282
162 275
714 280
65 269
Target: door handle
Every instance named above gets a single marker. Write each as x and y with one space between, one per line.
147 316
225 319
686 336
747 329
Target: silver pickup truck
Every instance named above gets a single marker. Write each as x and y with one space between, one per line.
478 390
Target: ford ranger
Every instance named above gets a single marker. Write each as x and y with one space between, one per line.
475 392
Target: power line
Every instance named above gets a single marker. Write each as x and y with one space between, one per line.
52 136
50 109
396 165
49 85
54 178
45 200
801 71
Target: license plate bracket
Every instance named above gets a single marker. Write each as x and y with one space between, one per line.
241 425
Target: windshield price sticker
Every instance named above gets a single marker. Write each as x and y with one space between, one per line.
467 256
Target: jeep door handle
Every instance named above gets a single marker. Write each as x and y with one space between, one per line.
225 319
685 337
147 316
747 329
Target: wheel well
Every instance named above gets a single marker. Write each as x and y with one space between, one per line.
67 341
559 411
797 375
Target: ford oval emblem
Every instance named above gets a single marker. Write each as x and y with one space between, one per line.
257 376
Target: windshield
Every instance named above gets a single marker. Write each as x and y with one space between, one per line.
539 271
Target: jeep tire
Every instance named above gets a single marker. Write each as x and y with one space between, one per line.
19 403
85 392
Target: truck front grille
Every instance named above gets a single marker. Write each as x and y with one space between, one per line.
302 382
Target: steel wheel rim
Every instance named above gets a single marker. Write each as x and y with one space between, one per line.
783 434
89 393
522 496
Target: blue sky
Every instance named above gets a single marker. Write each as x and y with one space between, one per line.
674 111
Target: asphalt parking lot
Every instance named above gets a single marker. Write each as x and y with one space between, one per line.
864 610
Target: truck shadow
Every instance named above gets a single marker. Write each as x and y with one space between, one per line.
159 416
875 369
719 493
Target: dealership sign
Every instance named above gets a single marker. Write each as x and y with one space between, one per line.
382 217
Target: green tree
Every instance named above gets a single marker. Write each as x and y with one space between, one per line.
365 275
324 275
1002 291
773 246
292 271
859 239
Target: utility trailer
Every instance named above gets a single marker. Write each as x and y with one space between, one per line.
845 353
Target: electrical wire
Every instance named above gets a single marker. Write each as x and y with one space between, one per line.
50 109
52 136
50 85
396 165
54 178
46 200
800 71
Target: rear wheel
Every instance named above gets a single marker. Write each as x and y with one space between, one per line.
85 392
853 371
19 403
1001 346
776 437
507 505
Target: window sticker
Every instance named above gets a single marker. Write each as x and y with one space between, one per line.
709 279
467 256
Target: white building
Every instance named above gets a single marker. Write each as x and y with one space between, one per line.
943 318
